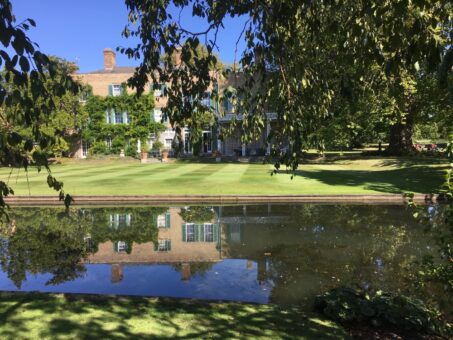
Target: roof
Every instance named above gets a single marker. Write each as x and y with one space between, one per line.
116 70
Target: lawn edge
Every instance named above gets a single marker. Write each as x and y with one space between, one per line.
220 199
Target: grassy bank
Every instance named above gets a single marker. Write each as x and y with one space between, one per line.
340 176
40 316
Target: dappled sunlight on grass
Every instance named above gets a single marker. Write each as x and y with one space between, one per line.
59 316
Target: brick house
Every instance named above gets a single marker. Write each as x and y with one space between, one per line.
107 82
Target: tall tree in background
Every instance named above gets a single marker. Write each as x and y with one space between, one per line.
297 54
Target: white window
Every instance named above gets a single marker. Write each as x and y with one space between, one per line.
121 246
159 90
206 101
164 245
168 142
187 146
116 90
118 118
190 232
208 232
85 148
161 221
120 220
157 115
83 97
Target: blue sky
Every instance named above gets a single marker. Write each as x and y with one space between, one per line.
80 30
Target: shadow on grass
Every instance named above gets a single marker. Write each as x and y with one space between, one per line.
86 317
421 179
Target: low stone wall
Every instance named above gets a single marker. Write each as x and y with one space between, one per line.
221 199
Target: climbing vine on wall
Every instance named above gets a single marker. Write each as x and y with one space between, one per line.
107 135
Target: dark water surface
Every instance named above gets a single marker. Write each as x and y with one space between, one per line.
271 253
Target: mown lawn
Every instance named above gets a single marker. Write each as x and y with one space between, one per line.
52 316
126 177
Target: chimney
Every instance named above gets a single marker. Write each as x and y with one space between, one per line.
117 273
109 59
185 271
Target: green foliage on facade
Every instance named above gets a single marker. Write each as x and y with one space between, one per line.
117 122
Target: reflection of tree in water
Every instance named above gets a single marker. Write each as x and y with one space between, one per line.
315 248
44 241
197 214
50 240
196 268
433 274
140 226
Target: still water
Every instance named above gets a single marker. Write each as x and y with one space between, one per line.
267 254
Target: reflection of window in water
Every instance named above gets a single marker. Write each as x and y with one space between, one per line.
120 220
163 220
190 232
164 245
88 243
120 246
208 232
235 233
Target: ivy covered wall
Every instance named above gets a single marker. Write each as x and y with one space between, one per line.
118 122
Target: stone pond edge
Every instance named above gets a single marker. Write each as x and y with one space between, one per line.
221 199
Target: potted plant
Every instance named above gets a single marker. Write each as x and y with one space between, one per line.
218 155
144 151
157 146
165 154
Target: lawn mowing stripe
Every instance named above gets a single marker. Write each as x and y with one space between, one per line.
126 171
97 170
142 173
202 172
166 170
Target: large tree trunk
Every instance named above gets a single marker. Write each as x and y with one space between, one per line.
400 142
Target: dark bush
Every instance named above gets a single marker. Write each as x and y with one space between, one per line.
347 305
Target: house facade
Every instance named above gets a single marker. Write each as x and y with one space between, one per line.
108 82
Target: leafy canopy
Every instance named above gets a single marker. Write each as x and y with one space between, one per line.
29 84
298 56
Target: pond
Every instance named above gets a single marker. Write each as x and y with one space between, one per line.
281 254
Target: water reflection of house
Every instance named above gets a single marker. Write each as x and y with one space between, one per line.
182 243
177 242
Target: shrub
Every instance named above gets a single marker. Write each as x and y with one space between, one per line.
347 305
99 148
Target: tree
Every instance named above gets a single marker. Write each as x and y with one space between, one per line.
63 123
57 241
297 54
23 88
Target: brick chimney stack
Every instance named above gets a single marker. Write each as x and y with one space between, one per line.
109 59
